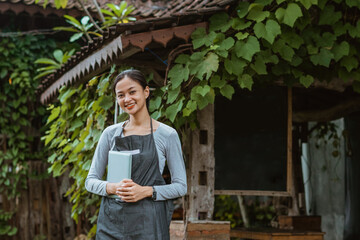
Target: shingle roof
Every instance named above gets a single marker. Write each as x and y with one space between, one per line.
143 9
139 34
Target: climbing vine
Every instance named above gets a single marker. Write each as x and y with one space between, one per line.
261 41
264 41
20 117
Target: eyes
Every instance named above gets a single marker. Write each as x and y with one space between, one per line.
121 95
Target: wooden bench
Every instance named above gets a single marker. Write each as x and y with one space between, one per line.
276 234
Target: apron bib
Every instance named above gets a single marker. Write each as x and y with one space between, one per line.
145 219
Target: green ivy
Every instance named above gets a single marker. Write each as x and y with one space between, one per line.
20 113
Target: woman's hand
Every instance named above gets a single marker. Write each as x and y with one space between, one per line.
111 187
132 192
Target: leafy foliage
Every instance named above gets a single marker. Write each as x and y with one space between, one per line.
20 114
79 27
297 41
53 65
117 14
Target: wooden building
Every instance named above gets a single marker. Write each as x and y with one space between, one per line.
142 43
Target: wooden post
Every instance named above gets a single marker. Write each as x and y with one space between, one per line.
201 175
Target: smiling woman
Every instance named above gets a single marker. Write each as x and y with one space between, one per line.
145 198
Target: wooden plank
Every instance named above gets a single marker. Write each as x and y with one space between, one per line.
289 143
201 168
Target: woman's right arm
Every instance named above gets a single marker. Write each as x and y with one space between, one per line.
94 182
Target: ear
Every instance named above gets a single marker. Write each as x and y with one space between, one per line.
147 91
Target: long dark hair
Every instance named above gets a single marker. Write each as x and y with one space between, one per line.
136 76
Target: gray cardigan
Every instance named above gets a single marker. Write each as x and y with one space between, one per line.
169 149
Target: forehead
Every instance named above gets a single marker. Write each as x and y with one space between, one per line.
125 84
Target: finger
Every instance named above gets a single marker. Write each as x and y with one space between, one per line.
127 180
128 184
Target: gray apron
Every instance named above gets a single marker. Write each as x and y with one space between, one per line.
145 219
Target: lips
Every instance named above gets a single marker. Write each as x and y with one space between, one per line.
130 106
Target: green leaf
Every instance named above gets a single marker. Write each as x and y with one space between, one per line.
308 3
84 20
23 110
245 81
227 91
289 15
353 3
178 74
242 9
173 110
240 24
219 21
284 50
173 93
341 50
349 63
256 12
190 107
323 58
268 31
58 54
3 72
66 94
241 36
183 59
306 80
328 16
247 49
234 65
209 65
46 61
54 114
226 44
155 104
259 66
73 21
76 36
75 124
203 90
292 39
200 38
217 81
106 102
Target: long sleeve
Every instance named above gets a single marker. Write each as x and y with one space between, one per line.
94 182
175 161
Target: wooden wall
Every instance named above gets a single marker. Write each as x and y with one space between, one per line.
43 211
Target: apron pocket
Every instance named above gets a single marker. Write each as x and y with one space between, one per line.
114 212
134 214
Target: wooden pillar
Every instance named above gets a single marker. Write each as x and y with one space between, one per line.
199 203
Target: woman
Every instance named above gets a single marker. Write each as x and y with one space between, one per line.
145 208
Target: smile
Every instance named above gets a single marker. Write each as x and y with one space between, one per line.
130 106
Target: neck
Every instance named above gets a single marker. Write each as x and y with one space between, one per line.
140 119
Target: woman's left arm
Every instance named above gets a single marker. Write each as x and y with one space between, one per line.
175 161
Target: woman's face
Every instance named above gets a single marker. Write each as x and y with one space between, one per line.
131 96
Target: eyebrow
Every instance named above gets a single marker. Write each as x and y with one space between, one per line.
127 90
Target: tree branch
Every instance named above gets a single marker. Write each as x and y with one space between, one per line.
337 111
91 18
99 10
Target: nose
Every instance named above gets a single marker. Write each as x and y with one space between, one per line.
127 98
